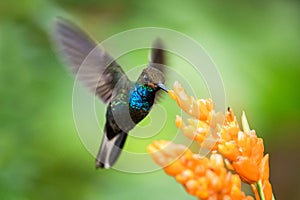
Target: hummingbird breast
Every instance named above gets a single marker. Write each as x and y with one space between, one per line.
141 99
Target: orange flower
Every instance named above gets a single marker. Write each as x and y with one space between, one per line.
242 149
204 178
200 109
204 121
195 129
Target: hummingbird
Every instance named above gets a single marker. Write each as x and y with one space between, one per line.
128 102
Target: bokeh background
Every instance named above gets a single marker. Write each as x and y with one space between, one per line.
255 45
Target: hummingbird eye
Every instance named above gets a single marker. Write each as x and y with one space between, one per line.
146 78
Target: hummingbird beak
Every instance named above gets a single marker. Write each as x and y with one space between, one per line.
163 87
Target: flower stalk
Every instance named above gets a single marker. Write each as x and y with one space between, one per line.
260 190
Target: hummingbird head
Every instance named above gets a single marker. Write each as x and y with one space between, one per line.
153 78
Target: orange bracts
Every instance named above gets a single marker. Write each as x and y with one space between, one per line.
242 150
204 122
204 178
199 109
245 151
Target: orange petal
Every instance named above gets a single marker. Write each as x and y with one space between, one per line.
229 150
191 186
216 161
178 121
264 168
229 115
214 180
257 150
203 112
235 180
230 132
209 104
228 164
185 175
267 188
190 132
246 169
202 192
174 168
164 152
172 94
235 192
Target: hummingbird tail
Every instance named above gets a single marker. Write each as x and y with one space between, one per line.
110 149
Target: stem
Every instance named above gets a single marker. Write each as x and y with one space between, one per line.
273 198
260 190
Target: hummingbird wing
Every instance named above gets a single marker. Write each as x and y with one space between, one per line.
157 59
157 55
94 67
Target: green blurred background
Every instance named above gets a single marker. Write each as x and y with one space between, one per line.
255 45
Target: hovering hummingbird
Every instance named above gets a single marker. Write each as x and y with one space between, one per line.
128 101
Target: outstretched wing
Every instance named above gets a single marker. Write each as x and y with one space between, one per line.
94 67
157 55
158 61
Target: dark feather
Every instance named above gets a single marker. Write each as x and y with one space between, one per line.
158 61
94 67
111 147
157 55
